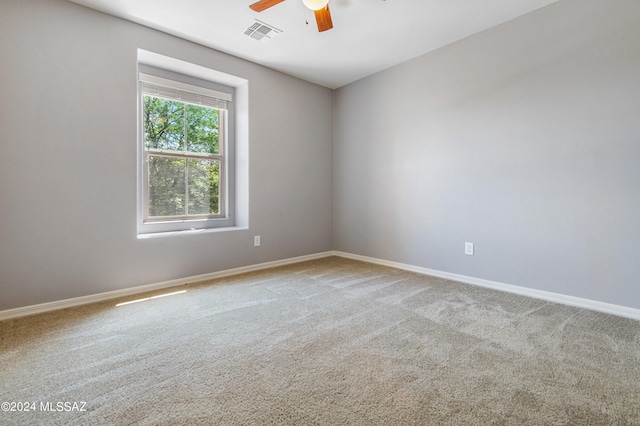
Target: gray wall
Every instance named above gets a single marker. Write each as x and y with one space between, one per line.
524 139
68 160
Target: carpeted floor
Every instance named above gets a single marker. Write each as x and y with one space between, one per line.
329 342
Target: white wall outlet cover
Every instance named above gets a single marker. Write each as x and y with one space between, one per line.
256 241
468 249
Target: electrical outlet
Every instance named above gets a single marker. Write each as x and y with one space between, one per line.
256 241
468 249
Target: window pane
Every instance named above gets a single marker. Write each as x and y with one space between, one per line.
204 187
202 129
166 186
163 124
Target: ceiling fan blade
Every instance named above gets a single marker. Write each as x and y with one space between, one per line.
323 18
264 4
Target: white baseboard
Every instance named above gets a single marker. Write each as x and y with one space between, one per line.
101 297
608 308
593 305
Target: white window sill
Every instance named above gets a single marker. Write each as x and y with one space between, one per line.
190 232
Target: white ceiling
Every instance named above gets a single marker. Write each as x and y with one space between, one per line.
367 36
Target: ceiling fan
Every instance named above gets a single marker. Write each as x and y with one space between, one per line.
320 9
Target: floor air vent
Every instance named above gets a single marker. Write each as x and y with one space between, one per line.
261 31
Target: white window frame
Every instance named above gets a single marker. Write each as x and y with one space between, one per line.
188 90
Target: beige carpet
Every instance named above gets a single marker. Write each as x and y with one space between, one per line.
326 342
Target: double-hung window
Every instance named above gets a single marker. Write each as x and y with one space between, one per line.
185 154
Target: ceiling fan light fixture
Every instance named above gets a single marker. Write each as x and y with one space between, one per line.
315 4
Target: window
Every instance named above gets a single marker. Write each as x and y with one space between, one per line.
186 155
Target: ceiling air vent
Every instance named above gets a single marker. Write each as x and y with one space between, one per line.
261 31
